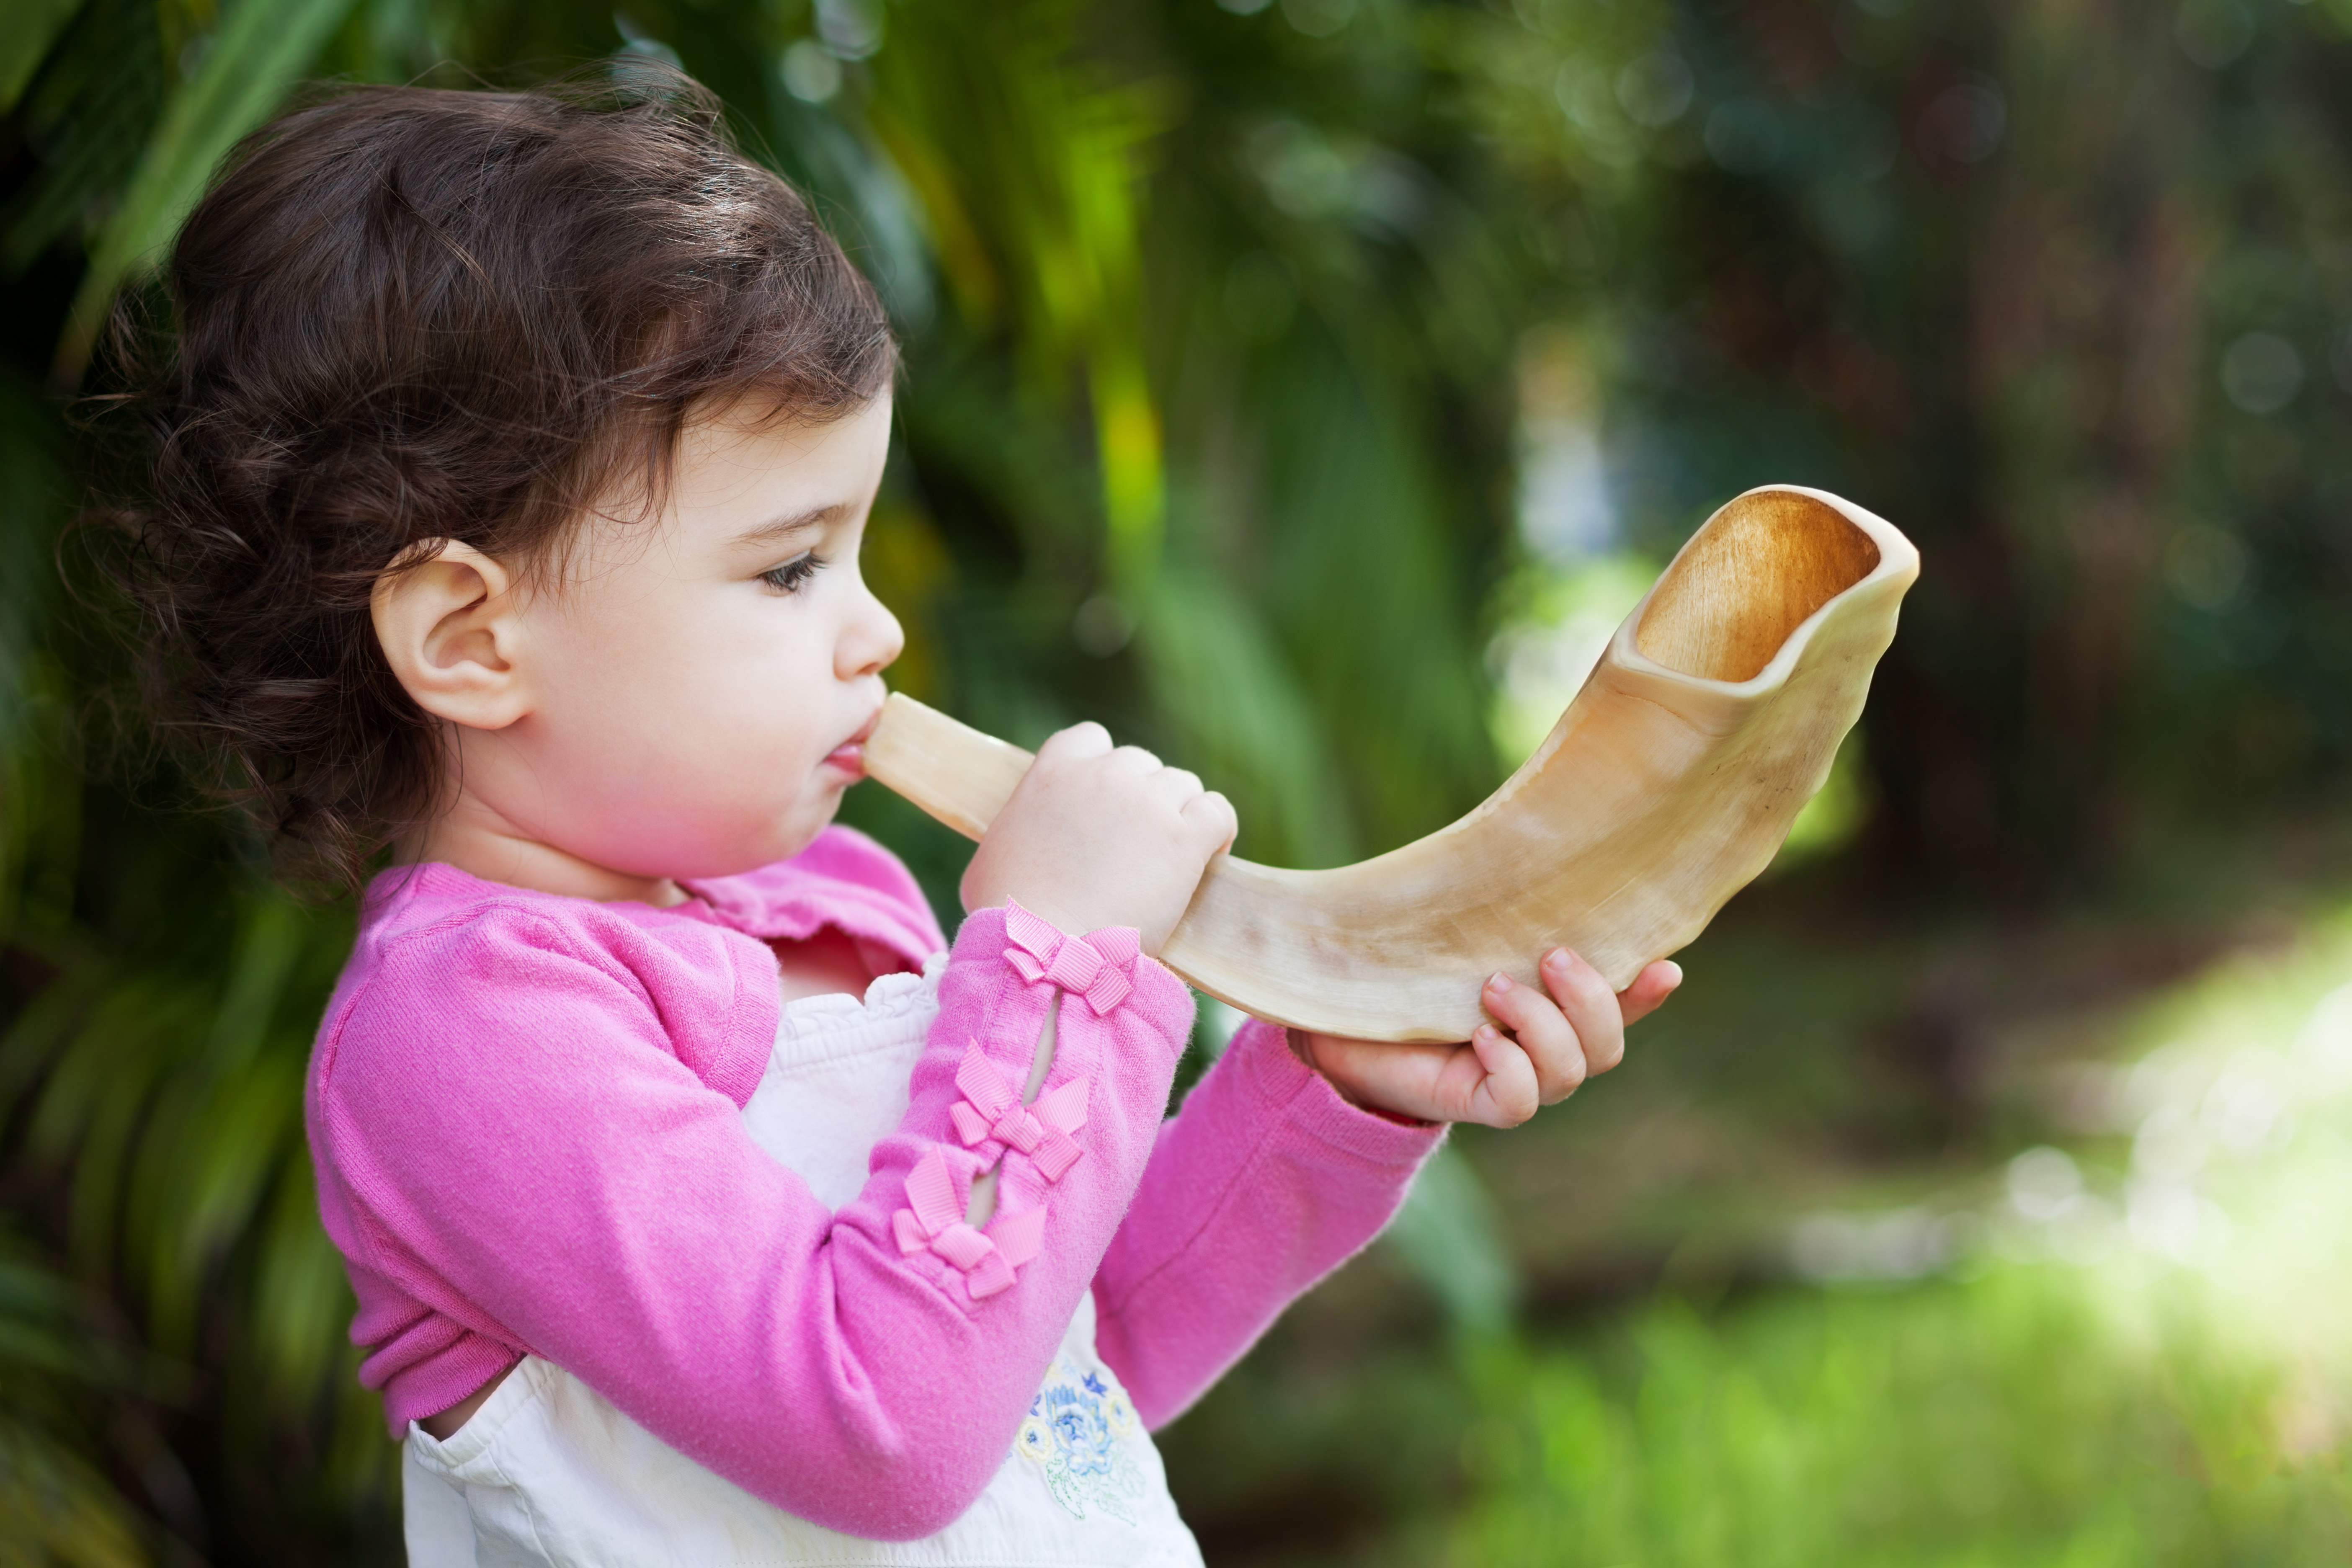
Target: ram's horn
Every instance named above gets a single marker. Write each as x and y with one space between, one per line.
1665 788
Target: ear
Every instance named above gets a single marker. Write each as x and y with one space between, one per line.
452 630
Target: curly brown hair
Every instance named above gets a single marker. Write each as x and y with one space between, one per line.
401 316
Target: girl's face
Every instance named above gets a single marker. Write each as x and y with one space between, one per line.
689 699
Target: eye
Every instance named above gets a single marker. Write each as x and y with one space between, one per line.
793 574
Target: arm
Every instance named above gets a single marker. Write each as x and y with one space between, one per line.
530 1151
1265 1183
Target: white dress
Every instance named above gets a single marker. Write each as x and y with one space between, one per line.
547 1472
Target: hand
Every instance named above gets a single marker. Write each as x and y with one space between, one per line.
1098 836
1499 1080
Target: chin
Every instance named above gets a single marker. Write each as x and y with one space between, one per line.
783 843
750 840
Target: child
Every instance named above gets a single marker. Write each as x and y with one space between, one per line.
508 469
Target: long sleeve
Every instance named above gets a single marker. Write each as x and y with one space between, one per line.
508 1130
1264 1183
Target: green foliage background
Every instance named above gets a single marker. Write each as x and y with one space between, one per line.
1227 324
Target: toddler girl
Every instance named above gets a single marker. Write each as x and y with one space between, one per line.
510 458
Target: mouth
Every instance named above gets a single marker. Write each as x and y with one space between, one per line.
850 756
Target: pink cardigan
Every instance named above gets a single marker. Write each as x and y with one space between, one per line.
523 1110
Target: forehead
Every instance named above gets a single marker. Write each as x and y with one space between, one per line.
744 463
735 485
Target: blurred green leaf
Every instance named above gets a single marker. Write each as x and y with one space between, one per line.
27 29
1449 1235
55 1509
263 46
87 116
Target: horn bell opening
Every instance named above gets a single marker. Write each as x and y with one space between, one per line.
1753 576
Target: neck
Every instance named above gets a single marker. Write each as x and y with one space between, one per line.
481 841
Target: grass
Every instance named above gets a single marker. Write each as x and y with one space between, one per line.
2018 1418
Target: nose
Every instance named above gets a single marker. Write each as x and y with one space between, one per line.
870 638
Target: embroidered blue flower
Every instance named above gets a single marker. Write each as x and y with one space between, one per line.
1075 1435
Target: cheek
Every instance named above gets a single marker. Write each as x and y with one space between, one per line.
743 698
770 681
679 733
686 728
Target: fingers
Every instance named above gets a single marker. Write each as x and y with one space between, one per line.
1101 835
1089 740
1555 1056
1086 740
1652 986
1511 1090
1211 815
1545 1041
1174 787
1590 1007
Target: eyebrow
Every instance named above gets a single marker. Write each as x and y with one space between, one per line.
778 530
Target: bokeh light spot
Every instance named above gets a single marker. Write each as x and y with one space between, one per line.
1319 18
2261 373
810 73
1655 90
2204 566
1745 136
1965 123
2212 33
851 29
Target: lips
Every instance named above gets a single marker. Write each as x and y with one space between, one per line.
850 756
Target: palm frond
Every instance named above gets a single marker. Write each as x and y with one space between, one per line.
261 49
27 31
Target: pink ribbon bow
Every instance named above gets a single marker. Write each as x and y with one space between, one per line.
933 1219
990 1108
1096 967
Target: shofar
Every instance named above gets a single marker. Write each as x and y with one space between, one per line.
1667 786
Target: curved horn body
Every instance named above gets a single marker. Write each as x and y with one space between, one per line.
1666 786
